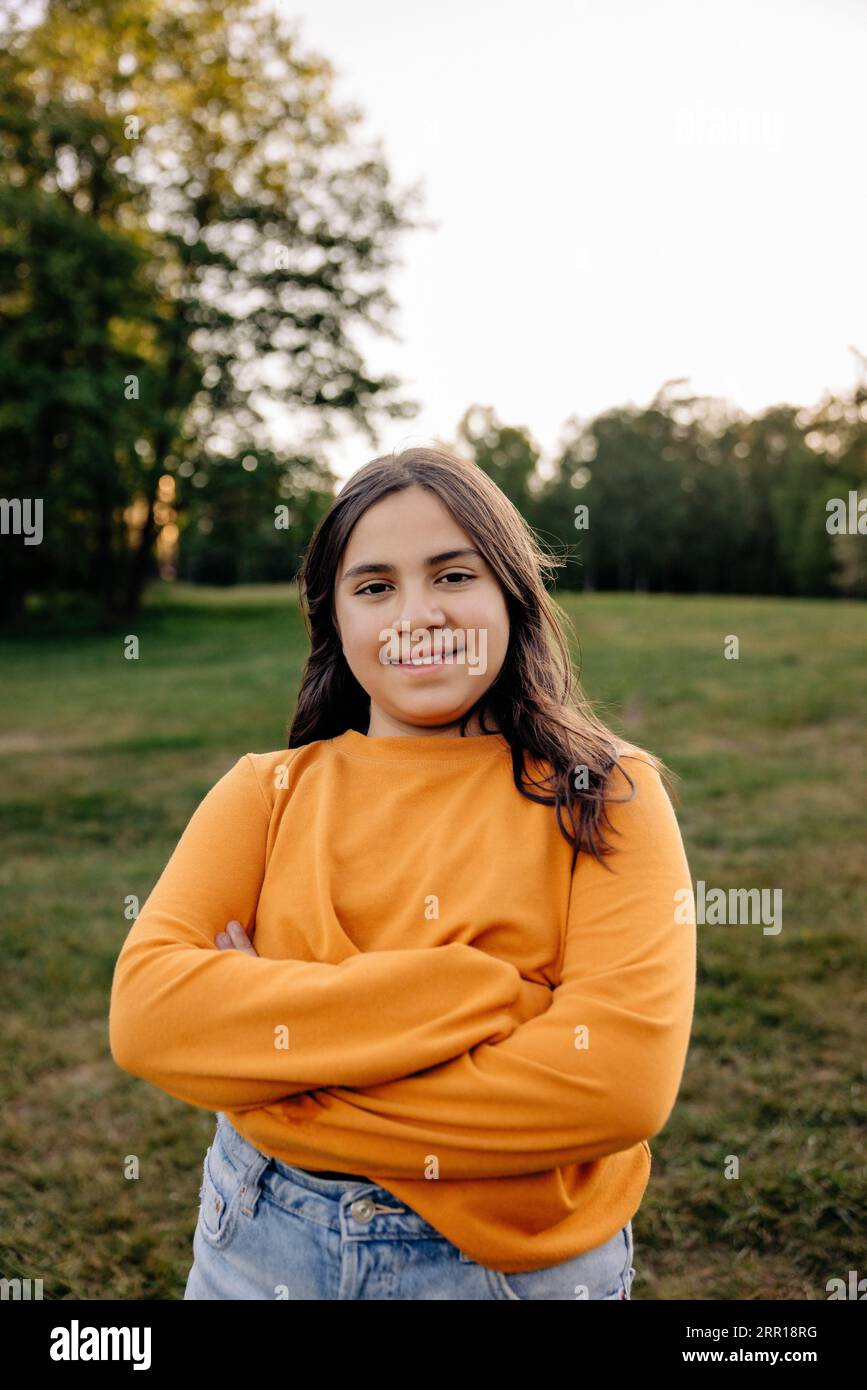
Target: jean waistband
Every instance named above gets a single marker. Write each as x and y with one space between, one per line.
244 1153
335 1173
359 1210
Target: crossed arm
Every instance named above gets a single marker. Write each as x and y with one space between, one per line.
595 1073
208 1025
459 1057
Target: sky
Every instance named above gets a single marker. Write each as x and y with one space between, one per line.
623 192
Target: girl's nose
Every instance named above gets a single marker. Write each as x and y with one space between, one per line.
420 612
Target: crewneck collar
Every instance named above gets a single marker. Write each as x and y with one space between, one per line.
414 748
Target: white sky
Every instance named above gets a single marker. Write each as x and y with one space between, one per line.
625 191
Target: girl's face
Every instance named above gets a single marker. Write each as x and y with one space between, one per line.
396 595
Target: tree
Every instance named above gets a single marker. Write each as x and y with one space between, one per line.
507 453
79 318
624 467
266 235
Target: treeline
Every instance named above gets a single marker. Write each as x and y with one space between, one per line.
685 495
688 495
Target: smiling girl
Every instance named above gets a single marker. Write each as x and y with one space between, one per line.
469 1000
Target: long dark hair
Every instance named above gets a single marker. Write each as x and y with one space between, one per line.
536 700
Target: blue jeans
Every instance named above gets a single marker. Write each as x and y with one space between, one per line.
270 1231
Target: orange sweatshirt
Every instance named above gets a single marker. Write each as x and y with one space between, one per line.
438 1002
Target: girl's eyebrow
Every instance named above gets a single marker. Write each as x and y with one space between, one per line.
381 567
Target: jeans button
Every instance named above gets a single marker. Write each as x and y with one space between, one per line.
362 1210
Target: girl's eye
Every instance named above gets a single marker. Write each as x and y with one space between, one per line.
453 574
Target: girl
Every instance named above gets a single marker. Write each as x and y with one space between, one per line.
436 1070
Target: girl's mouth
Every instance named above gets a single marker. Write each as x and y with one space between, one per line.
423 663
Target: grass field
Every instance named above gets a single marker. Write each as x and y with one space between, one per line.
105 759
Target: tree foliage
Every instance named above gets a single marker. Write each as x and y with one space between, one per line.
688 495
188 232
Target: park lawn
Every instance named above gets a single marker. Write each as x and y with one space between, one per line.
105 759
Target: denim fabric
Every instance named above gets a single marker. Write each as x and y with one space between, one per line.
267 1230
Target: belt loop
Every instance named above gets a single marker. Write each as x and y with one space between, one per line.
251 1185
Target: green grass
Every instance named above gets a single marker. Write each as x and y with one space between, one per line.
104 760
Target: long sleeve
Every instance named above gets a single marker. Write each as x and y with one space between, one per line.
597 1073
206 1025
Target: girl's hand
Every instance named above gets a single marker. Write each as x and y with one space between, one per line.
234 938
